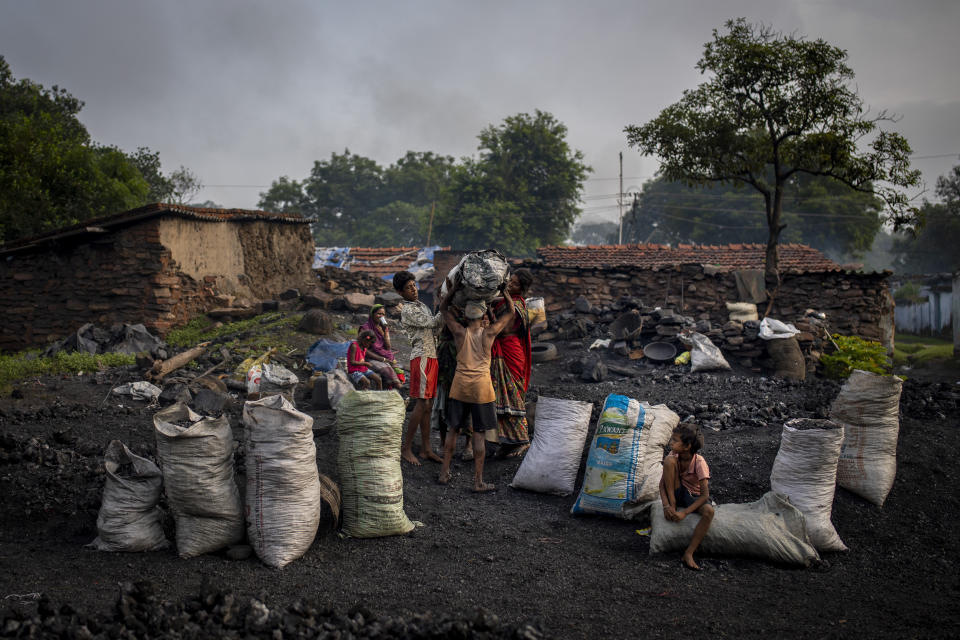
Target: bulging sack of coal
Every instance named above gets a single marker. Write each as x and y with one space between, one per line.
805 471
370 425
283 498
868 407
129 518
552 463
481 273
196 456
625 461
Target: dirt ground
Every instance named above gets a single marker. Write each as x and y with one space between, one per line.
508 564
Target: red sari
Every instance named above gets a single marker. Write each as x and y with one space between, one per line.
510 367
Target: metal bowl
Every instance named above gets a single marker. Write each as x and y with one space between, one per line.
660 351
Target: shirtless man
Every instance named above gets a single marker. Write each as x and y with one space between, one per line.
471 393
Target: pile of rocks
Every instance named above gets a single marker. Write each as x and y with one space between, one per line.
629 324
140 612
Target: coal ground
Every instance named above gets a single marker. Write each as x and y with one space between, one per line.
511 564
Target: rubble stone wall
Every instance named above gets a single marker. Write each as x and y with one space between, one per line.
133 275
855 303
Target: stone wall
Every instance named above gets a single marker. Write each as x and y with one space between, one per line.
131 275
854 303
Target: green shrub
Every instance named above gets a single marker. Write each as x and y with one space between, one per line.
909 293
27 364
855 353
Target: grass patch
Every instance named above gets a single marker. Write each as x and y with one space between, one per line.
258 333
28 364
912 350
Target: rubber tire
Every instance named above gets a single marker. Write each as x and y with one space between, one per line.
543 352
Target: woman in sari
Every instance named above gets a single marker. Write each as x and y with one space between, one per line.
510 367
380 355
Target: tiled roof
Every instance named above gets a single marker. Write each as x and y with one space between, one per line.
152 211
793 257
381 261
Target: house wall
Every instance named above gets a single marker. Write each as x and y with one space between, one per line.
159 272
855 303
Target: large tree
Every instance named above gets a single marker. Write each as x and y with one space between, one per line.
51 173
776 106
522 191
818 211
933 249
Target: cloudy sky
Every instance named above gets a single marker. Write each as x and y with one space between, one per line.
242 92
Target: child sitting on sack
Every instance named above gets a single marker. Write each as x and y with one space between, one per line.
685 485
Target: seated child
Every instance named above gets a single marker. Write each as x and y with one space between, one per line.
685 485
357 366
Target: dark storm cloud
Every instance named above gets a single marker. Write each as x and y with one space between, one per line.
244 92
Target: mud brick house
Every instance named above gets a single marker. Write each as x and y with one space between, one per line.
159 265
697 280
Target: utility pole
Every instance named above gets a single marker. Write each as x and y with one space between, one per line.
430 228
620 201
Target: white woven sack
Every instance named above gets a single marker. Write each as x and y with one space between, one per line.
129 518
196 455
769 529
369 426
553 460
805 470
624 463
868 407
283 484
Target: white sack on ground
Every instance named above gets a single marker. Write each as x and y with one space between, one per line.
704 355
626 455
868 407
805 471
283 485
129 518
370 426
769 529
338 385
196 456
553 460
772 329
278 379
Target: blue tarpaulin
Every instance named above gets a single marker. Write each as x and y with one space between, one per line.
323 354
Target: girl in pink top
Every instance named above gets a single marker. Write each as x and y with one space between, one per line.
685 485
357 365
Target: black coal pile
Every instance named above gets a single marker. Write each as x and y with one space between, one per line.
935 400
140 613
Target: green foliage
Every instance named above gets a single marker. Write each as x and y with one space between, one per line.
520 193
776 106
933 249
909 293
855 353
53 175
921 350
25 365
259 332
821 212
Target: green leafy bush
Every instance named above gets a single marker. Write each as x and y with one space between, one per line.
855 353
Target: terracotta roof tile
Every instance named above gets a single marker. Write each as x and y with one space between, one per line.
793 257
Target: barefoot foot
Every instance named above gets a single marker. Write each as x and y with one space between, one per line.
444 477
484 487
409 457
431 456
689 563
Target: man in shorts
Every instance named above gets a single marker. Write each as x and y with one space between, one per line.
420 326
472 397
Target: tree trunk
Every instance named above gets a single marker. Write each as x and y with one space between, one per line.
772 260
